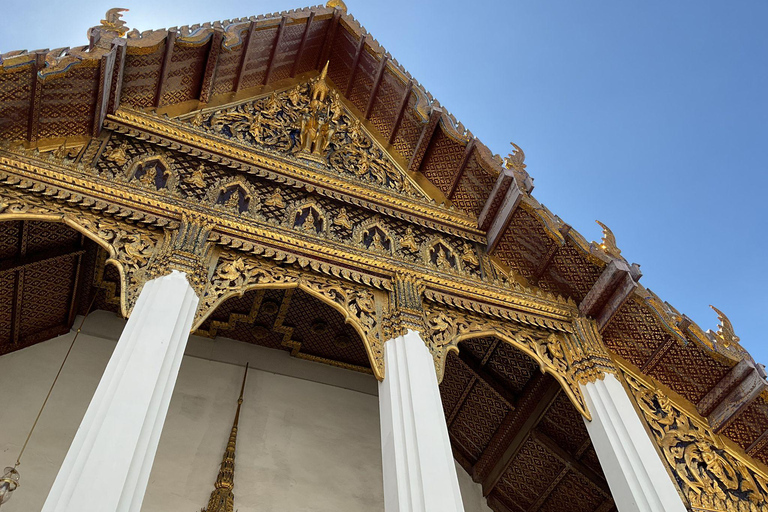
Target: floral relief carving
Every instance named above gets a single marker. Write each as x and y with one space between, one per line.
554 352
310 122
235 274
709 475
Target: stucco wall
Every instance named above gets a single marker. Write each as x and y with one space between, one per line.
308 438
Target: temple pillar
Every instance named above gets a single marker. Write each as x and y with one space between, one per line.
418 467
108 464
636 474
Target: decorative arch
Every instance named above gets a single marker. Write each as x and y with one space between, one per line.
374 236
308 216
130 248
557 353
154 172
236 274
438 252
235 195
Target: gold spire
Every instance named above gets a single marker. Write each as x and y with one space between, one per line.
222 498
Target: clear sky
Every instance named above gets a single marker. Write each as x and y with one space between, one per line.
650 116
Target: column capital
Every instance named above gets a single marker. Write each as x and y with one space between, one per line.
406 306
589 358
188 250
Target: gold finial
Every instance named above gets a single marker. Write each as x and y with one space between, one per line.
222 498
725 332
113 21
608 243
516 159
337 4
324 72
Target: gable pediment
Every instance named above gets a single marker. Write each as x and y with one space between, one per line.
309 124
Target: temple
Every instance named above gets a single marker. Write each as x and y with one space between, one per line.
423 335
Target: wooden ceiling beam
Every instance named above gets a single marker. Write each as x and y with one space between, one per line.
106 71
170 42
119 69
22 261
275 48
543 265
570 461
18 284
36 93
244 58
211 64
303 44
425 138
536 399
497 504
544 496
476 366
462 166
376 84
355 64
401 111
328 40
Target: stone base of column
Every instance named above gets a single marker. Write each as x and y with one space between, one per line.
108 464
636 474
419 472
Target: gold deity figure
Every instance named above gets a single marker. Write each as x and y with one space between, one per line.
149 177
315 134
118 154
276 199
342 219
234 200
408 241
198 178
377 242
442 259
468 255
309 223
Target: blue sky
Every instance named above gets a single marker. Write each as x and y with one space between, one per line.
650 116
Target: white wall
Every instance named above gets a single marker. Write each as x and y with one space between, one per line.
308 438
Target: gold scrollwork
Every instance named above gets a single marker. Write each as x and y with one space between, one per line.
708 474
235 274
571 358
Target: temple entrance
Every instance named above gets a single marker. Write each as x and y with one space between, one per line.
517 433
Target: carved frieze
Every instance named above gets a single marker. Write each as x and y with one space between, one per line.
310 123
571 357
362 307
709 474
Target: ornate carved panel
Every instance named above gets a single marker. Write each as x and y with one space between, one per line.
709 474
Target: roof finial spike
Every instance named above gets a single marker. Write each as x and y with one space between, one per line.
222 498
113 21
608 243
516 159
324 72
337 4
725 333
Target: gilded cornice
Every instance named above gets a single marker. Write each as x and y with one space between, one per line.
53 179
183 137
713 473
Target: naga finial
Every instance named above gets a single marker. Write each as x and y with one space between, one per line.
337 4
724 332
608 243
516 159
113 21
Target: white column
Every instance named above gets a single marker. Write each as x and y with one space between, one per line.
636 475
419 472
108 464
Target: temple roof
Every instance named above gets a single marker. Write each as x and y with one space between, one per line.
49 96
